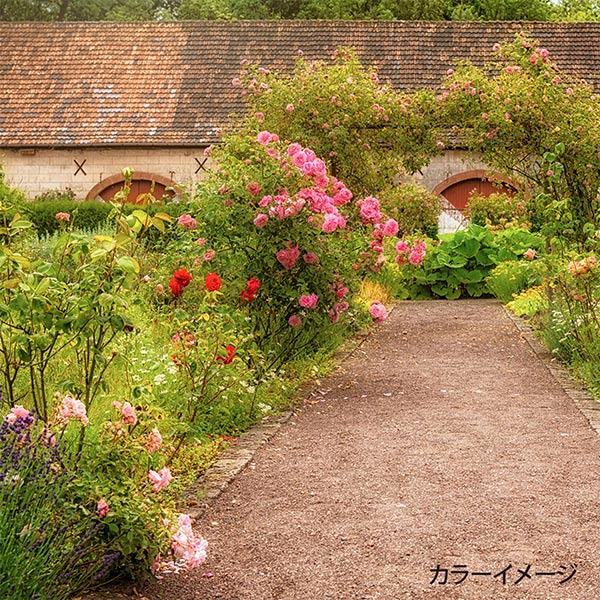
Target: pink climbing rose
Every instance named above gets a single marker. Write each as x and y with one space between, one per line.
288 257
295 321
160 479
378 312
308 300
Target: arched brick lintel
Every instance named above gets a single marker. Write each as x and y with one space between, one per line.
482 174
118 178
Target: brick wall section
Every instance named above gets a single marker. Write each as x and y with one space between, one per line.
48 169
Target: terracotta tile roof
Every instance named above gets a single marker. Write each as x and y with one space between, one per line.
66 84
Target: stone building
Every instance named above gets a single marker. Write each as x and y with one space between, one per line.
79 101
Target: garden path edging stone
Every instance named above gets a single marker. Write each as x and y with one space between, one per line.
587 404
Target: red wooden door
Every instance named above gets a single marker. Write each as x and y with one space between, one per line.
458 194
138 187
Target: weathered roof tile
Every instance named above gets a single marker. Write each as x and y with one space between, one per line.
170 83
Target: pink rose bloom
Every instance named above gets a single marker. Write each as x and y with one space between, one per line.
402 246
263 138
293 148
295 321
529 254
154 440
369 210
159 288
62 216
253 188
334 316
390 228
416 256
128 413
288 257
209 255
341 307
187 222
378 312
71 408
201 241
330 223
290 108
343 196
102 508
261 220
308 301
160 479
260 117
310 258
299 158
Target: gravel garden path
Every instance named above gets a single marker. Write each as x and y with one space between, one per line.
446 457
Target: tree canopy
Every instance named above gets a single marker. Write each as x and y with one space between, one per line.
436 10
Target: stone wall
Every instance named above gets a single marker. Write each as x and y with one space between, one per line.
446 166
40 170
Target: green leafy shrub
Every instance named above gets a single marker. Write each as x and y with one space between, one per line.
10 197
457 266
498 210
88 215
275 214
530 302
364 130
414 207
510 278
513 243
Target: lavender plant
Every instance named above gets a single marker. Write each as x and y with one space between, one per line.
51 548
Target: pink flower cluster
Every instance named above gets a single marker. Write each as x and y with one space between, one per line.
188 550
322 195
62 216
581 267
127 412
378 311
414 254
102 508
308 301
17 412
369 210
70 409
160 479
187 222
154 441
288 256
539 55
264 138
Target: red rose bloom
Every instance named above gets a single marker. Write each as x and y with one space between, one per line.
212 282
246 296
176 287
181 278
230 354
253 285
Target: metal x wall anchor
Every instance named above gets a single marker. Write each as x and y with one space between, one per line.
200 166
80 166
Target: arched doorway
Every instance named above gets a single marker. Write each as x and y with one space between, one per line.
458 189
141 184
